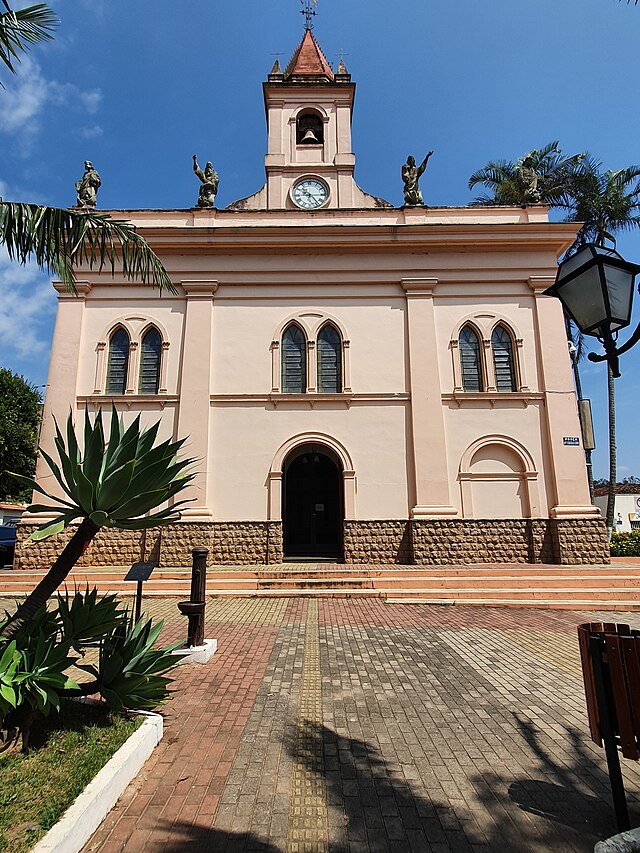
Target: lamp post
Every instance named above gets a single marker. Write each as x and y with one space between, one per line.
595 287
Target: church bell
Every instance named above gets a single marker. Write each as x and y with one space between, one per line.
309 138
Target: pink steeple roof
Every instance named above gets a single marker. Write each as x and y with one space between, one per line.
308 60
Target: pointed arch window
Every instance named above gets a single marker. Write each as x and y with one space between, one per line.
503 362
151 353
470 360
329 360
294 361
118 362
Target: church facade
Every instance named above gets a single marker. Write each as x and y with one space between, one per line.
359 382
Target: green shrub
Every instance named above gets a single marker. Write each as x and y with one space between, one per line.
626 544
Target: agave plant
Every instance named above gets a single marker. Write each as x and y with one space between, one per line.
130 668
116 482
34 663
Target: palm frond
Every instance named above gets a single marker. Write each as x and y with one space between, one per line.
59 239
22 28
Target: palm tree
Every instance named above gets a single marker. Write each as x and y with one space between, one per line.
20 29
61 239
506 179
605 202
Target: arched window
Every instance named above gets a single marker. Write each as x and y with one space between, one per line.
294 361
149 380
470 360
502 347
118 362
309 129
329 351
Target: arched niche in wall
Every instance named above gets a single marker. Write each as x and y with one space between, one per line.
498 479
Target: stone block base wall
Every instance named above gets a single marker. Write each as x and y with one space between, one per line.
570 541
109 548
438 542
231 542
377 542
433 542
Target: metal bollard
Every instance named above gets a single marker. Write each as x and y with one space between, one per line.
194 608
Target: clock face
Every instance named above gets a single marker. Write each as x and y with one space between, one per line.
310 193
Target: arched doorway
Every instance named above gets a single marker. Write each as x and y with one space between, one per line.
312 503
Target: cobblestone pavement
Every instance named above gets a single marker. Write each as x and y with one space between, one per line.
349 726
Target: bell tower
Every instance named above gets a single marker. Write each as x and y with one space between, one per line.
309 162
309 123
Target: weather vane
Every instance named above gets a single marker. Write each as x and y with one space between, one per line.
309 12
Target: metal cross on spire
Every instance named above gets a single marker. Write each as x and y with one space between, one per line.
309 12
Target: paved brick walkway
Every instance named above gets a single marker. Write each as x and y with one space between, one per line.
353 726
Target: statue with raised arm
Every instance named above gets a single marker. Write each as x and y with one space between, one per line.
528 179
209 179
410 176
87 186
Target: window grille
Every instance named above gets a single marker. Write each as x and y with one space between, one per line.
118 362
149 380
502 347
294 361
470 360
329 361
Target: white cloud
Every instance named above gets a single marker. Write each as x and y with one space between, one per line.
29 93
92 131
27 316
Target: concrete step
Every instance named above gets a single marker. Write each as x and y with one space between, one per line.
563 587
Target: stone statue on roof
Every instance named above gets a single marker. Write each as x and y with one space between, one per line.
87 187
528 179
410 176
209 187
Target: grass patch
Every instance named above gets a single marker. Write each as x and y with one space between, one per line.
67 750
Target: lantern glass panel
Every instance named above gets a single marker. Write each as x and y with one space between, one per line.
583 256
620 290
584 300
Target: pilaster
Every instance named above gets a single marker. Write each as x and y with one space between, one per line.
569 487
62 381
194 418
432 490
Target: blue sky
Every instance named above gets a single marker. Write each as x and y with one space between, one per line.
138 87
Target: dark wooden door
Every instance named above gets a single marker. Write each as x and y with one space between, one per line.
312 507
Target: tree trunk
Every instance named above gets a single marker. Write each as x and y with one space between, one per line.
613 474
52 580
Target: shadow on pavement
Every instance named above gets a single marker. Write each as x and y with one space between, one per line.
190 838
373 806
567 796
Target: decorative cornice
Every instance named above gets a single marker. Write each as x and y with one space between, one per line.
82 289
419 286
200 287
539 283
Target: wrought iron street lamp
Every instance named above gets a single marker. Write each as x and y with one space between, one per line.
595 287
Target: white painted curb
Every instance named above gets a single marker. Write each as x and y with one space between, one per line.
196 654
89 809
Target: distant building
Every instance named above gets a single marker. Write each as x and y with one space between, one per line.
626 515
360 381
11 512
